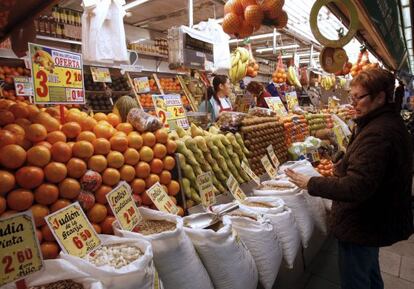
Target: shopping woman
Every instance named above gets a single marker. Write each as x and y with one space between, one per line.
259 93
218 99
371 189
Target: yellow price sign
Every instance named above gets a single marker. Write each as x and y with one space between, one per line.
270 169
161 200
101 74
235 190
205 184
20 254
123 206
249 172
170 110
57 75
276 105
292 100
73 231
142 84
273 157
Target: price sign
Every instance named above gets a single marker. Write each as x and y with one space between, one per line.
170 110
57 75
161 200
205 184
249 171
123 206
23 85
313 156
101 74
273 157
292 100
276 105
271 171
142 84
235 190
20 254
73 231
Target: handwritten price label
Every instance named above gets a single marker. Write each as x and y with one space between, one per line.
23 85
161 200
273 157
20 253
73 231
271 171
235 190
292 100
171 111
101 74
142 84
250 173
205 184
123 206
276 104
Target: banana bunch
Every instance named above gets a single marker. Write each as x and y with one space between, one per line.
342 82
239 62
328 82
293 77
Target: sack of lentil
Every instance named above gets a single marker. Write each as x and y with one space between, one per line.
225 256
174 256
59 274
260 238
120 263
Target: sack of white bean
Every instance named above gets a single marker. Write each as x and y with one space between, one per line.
174 255
120 263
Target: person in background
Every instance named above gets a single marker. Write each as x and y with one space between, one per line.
399 96
217 97
371 187
259 93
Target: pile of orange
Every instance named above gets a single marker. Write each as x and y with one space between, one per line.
146 101
42 161
170 84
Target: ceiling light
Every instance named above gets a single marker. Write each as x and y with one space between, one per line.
255 37
134 4
260 50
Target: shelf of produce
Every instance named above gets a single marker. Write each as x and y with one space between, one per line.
152 54
48 38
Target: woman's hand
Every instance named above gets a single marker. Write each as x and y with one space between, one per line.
300 180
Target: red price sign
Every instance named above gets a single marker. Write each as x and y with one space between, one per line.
161 200
205 184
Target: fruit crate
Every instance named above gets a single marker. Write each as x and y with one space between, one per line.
10 68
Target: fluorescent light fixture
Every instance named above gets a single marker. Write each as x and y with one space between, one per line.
255 37
134 4
260 50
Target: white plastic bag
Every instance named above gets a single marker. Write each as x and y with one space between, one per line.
260 238
278 205
175 258
316 208
226 258
138 274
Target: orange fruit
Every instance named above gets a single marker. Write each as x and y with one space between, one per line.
108 208
36 132
97 228
87 136
97 163
173 199
100 194
146 154
120 133
50 250
111 177
71 129
97 213
39 213
106 225
29 177
19 110
101 146
165 177
70 143
55 136
160 151
125 127
19 200
149 139
7 137
24 123
100 116
135 140
156 166
88 124
38 156
69 188
115 159
17 130
76 168
55 172
151 180
106 123
12 156
165 188
142 170
47 233
131 156
32 110
9 213
171 146
73 115
169 163
119 143
46 194
173 188
113 119
50 123
82 149
59 204
61 152
3 205
7 182
146 200
101 130
43 143
6 117
138 186
127 173
161 135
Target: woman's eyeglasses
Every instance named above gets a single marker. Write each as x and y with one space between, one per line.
353 99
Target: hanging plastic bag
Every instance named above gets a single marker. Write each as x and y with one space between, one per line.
316 208
143 121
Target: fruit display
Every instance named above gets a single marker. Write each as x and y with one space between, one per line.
7 74
90 85
119 83
201 151
260 132
45 165
318 121
99 102
346 112
296 128
123 105
239 64
325 167
253 67
153 85
279 75
362 64
292 77
328 82
170 85
146 101
345 70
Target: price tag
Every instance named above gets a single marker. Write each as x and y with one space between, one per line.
205 184
101 74
142 84
249 171
276 105
271 171
20 253
170 110
123 206
273 157
57 75
23 85
161 200
73 231
235 189
292 100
